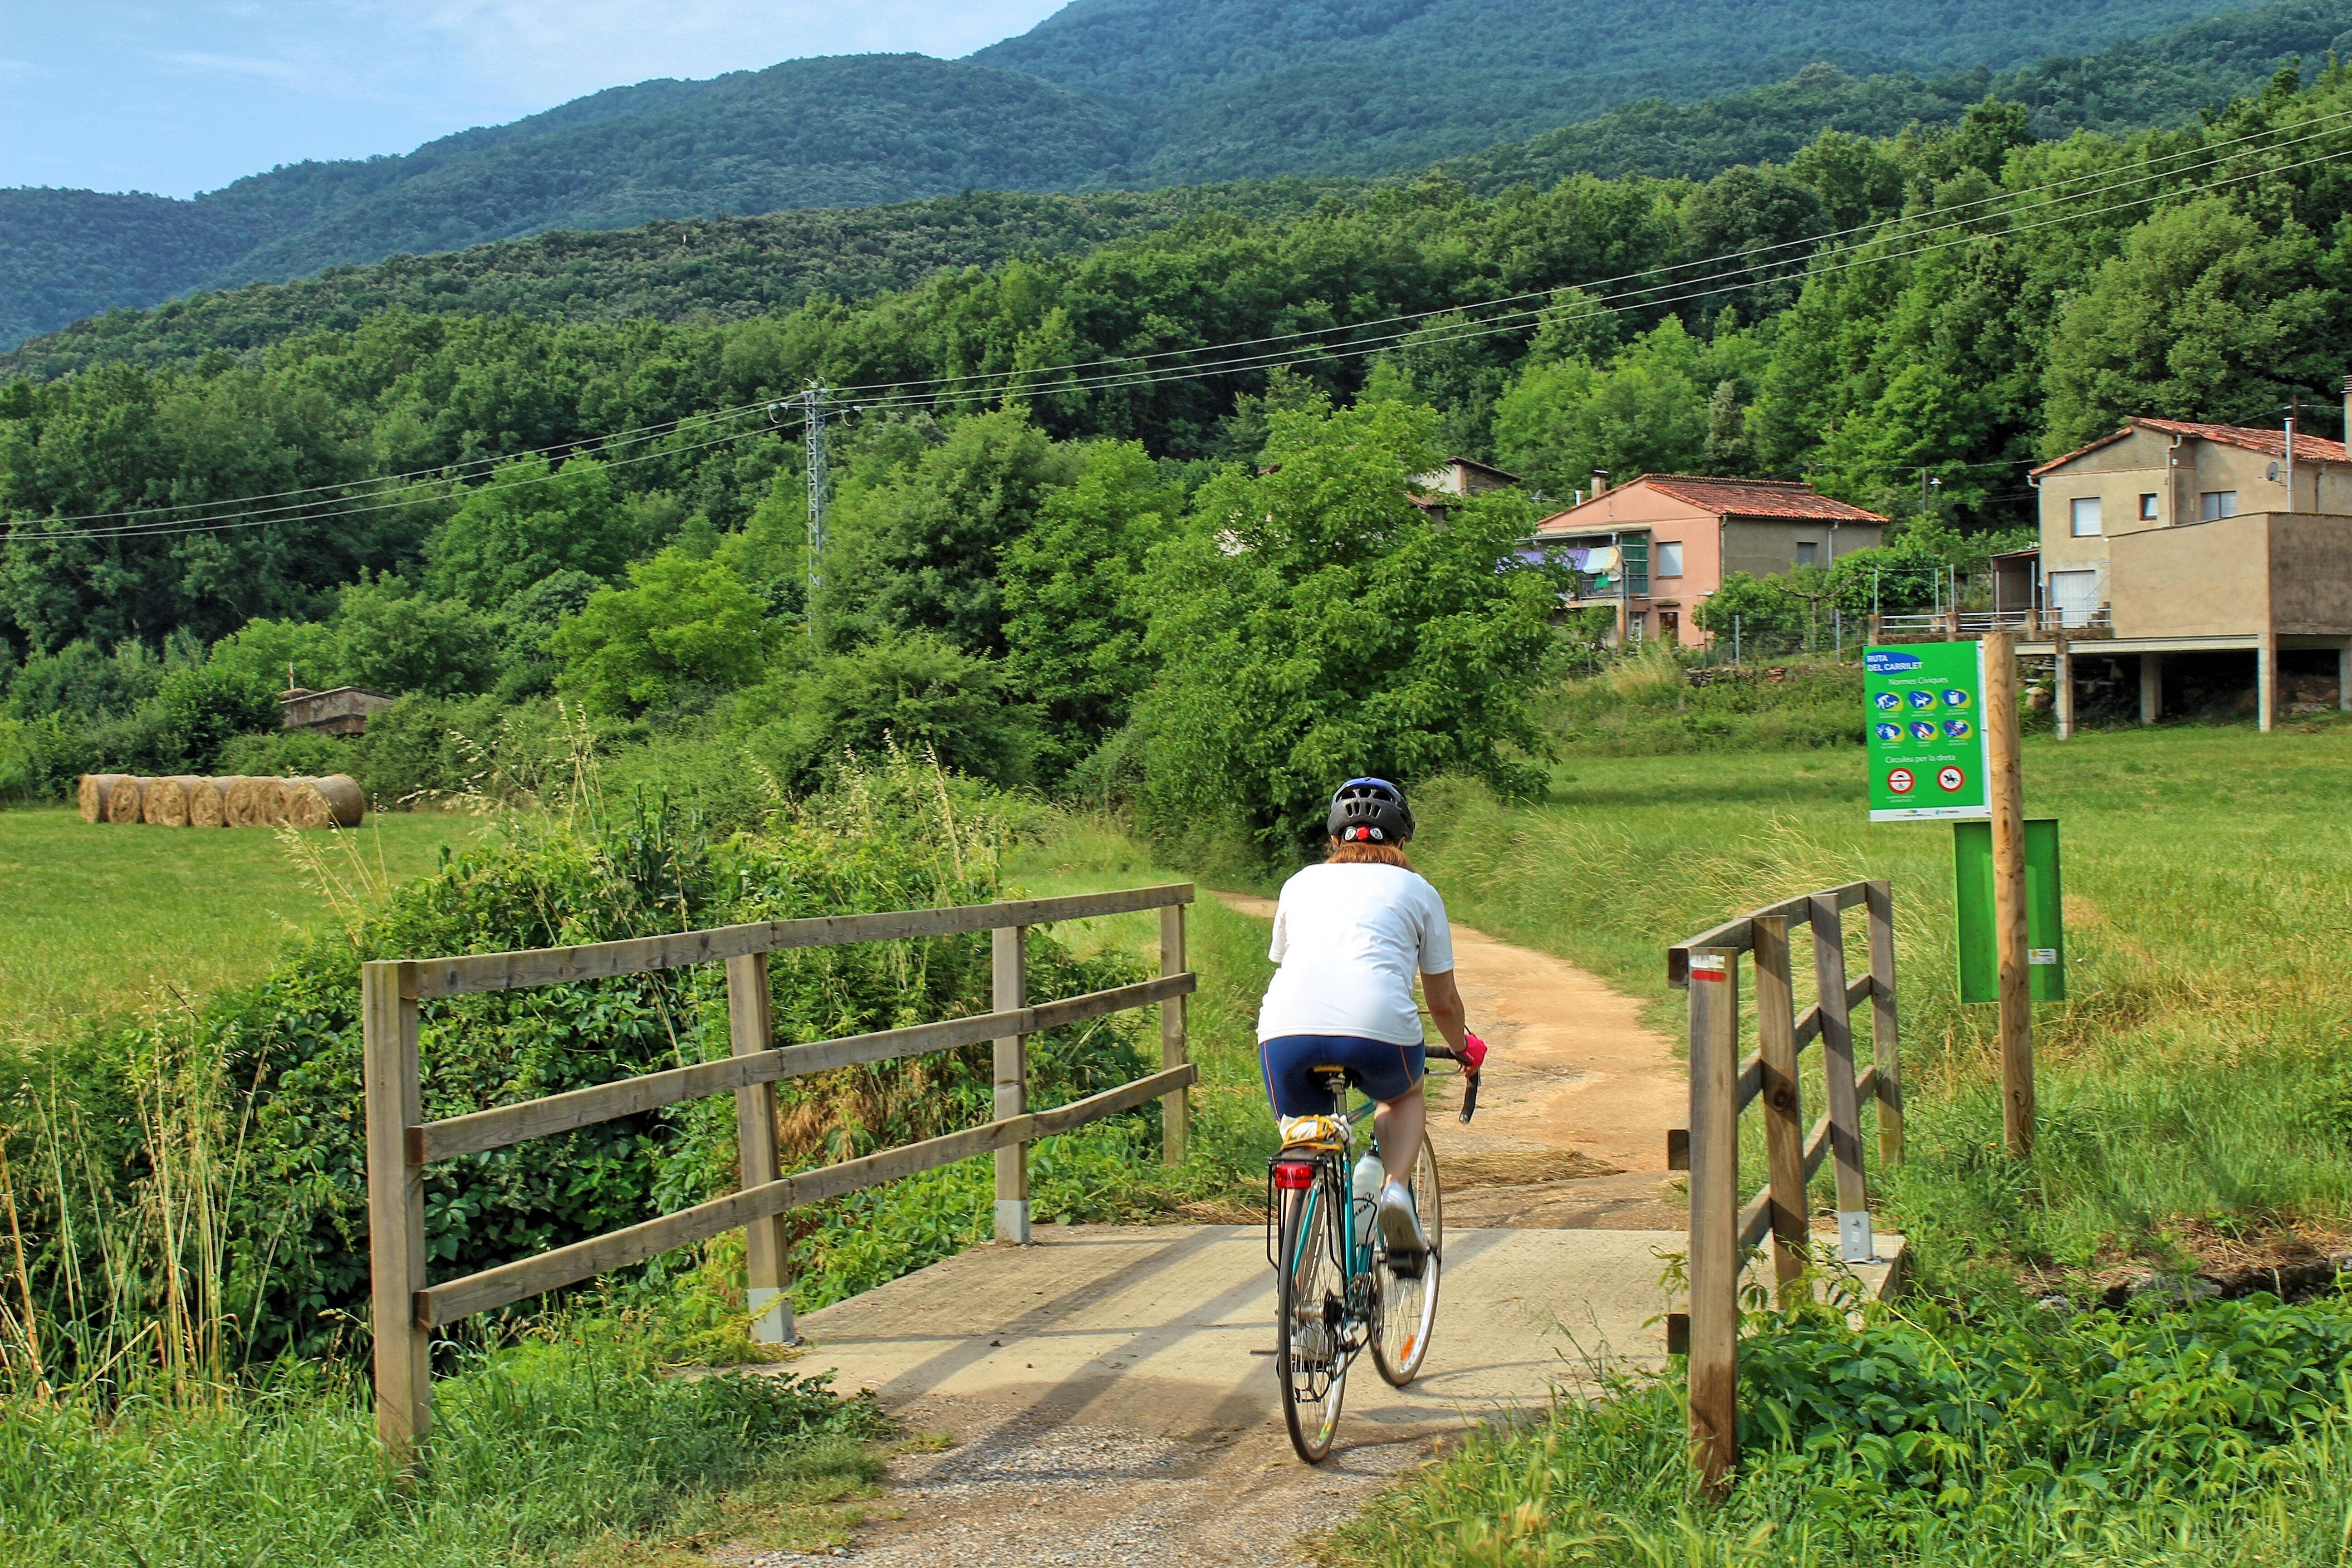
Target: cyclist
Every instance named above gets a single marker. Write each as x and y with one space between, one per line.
1350 935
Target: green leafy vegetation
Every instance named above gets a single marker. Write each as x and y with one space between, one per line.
569 1441
1139 96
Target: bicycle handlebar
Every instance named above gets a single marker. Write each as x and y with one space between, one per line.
1470 1066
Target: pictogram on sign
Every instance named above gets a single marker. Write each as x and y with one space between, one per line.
1949 779
1900 781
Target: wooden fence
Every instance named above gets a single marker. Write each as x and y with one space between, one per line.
400 1143
1723 1082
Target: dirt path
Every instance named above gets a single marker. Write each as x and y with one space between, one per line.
1570 1130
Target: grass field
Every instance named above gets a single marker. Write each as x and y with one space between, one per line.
101 919
2196 1107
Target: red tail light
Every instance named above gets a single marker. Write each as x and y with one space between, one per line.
1293 1176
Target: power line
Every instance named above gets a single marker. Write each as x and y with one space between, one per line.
1122 367
1487 327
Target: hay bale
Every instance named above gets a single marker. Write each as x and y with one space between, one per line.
330 801
204 806
164 802
95 788
251 801
343 798
123 801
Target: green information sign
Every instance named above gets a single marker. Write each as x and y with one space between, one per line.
2045 940
1927 741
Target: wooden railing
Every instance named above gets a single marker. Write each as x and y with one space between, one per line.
1723 1082
400 1143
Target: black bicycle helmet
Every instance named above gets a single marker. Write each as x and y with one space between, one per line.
1368 811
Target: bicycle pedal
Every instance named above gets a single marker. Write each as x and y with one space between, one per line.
1408 1265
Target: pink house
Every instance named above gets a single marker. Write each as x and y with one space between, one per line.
1656 548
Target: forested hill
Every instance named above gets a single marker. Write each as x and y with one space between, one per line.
730 267
1106 93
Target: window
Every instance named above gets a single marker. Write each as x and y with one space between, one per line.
1670 559
2083 514
2147 506
1806 549
2215 504
1670 625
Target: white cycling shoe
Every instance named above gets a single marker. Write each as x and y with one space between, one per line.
1408 1244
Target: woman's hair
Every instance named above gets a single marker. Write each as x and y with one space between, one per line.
1362 854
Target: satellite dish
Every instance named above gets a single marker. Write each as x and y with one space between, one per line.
2273 473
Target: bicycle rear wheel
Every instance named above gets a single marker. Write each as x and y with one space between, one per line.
1408 1306
1307 1356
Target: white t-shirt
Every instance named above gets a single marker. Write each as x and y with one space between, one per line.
1350 939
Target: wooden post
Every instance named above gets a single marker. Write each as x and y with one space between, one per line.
1854 1244
767 1243
1714 1266
2006 789
1877 632
1878 903
1784 1127
1176 1109
2062 683
1012 990
395 1103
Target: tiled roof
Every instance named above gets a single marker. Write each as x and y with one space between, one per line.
1739 498
2270 443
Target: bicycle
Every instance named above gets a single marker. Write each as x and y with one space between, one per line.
1337 1289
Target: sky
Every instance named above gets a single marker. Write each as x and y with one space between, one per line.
174 96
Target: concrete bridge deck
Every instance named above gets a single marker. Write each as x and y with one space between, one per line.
1108 1407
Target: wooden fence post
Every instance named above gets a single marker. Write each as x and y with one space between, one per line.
1012 992
1878 903
1854 1245
1176 1109
1784 1132
395 1103
767 1243
1713 1263
2006 789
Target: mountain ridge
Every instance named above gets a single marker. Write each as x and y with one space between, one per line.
1103 94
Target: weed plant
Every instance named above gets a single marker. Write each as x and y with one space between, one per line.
2216 1434
1646 705
537 1451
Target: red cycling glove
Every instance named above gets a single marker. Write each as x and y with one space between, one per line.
1474 1053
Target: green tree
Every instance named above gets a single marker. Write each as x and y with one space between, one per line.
391 639
1074 606
210 703
2202 316
680 623
914 690
917 543
1312 624
1648 412
529 520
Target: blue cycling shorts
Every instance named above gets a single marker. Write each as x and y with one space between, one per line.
1383 1070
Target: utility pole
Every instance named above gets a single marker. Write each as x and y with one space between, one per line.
812 402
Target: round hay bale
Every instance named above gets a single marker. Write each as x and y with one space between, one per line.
248 801
304 807
95 788
123 801
204 806
164 802
341 793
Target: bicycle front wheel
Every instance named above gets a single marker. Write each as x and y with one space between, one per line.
1308 1357
1407 1303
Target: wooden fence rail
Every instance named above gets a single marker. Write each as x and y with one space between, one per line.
400 1142
1723 1084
